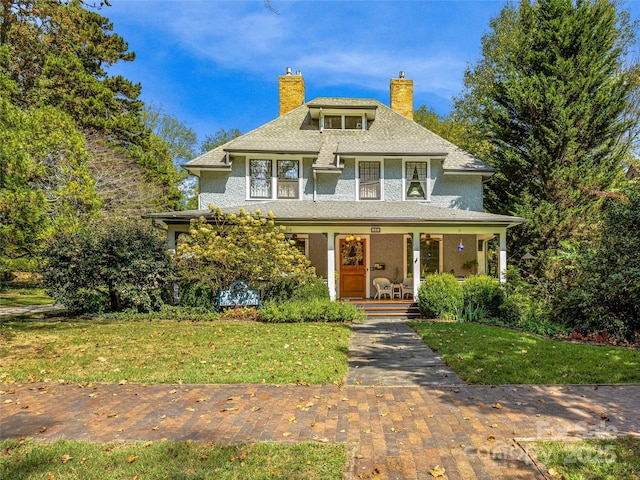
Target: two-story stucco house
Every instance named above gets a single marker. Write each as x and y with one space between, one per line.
364 190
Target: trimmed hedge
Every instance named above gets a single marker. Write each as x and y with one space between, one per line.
440 296
197 294
313 310
168 312
297 287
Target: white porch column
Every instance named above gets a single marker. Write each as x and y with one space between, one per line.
416 264
331 264
502 264
171 239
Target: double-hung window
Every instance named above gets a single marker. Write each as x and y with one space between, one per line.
369 181
416 175
260 172
265 182
288 175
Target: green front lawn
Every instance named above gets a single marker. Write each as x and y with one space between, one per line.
497 356
170 460
617 459
169 351
18 297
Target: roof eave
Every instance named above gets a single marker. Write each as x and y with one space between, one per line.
288 151
180 218
196 169
389 154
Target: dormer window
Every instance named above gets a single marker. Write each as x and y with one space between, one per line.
352 122
343 122
338 114
333 122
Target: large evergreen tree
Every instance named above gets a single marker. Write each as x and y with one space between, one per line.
552 94
58 53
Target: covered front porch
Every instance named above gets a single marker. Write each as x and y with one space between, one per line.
351 244
352 258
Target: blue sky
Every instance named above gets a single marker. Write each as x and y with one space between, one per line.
215 64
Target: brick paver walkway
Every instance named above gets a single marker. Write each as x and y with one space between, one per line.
392 432
400 432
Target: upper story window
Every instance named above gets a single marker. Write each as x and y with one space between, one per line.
369 184
288 175
343 122
267 177
260 178
416 175
353 122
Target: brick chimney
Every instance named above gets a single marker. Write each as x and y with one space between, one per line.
291 91
402 96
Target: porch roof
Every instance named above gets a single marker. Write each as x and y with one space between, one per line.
299 212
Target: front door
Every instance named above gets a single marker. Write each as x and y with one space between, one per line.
353 272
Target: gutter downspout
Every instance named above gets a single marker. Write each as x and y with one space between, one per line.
315 182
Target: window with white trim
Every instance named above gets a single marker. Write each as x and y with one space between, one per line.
270 179
416 175
369 183
260 178
343 122
301 242
353 122
287 177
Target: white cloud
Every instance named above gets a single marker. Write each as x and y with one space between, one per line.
332 49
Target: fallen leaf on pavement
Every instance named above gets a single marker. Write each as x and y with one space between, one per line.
437 471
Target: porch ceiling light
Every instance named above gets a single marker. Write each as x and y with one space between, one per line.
461 246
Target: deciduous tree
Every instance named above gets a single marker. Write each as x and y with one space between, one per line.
112 265
459 132
221 137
